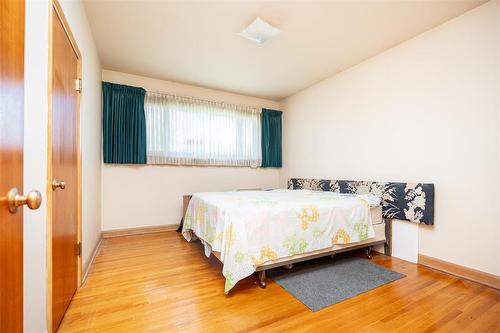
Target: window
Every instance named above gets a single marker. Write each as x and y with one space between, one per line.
190 131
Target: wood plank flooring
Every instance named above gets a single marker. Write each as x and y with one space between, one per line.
161 283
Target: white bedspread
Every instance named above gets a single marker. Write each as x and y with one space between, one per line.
249 228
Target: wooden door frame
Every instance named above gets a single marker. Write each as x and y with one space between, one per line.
54 6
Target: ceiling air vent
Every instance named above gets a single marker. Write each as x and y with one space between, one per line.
259 31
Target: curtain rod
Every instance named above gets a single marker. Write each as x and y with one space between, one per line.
202 100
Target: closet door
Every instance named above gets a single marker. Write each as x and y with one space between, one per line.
64 167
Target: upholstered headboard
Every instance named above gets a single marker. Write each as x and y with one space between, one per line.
412 202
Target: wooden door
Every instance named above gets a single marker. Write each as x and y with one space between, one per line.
64 152
11 162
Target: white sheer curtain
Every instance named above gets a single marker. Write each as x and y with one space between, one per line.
189 131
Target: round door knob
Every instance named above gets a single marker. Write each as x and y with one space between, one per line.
33 200
56 184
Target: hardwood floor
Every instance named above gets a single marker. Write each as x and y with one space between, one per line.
161 283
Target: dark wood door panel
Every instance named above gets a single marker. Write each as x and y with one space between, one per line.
64 168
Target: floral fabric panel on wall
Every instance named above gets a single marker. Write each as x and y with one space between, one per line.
412 202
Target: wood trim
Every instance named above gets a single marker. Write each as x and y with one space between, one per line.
55 5
48 189
488 279
139 231
96 251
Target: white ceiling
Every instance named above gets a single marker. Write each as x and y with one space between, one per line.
196 42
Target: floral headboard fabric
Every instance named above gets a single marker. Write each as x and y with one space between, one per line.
412 202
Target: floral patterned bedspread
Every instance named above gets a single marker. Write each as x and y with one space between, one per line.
249 228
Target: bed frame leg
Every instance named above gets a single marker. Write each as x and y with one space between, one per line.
262 278
368 251
388 237
289 266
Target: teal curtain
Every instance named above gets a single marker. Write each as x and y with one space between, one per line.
271 138
124 124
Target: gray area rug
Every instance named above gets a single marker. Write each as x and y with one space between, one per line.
323 282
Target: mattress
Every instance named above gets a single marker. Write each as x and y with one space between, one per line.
378 226
378 239
251 228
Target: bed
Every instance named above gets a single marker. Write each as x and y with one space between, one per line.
253 231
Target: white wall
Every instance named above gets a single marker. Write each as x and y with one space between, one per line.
427 111
35 164
152 195
35 149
